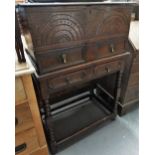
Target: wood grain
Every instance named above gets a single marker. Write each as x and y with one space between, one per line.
20 94
28 137
28 85
29 129
41 151
75 46
24 117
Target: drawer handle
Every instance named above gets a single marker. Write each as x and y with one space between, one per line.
119 64
16 121
64 58
107 69
112 48
20 148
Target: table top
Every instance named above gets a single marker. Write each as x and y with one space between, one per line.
23 68
105 2
134 34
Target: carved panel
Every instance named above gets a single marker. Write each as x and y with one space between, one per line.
53 27
49 27
113 21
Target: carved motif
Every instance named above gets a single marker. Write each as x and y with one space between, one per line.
114 22
59 28
54 26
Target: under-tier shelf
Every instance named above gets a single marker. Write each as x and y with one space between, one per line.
77 114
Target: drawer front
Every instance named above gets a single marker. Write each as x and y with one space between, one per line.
70 79
83 75
26 142
111 48
20 94
108 68
23 118
132 93
61 58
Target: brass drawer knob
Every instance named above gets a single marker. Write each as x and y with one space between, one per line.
64 58
112 48
107 69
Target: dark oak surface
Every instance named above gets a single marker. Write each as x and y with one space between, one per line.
88 30
131 96
74 47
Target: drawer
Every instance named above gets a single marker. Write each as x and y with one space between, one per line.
60 58
70 79
132 93
111 47
20 93
26 142
84 75
103 69
23 118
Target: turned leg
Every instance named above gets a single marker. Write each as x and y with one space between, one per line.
18 40
18 52
117 90
49 127
47 108
91 92
21 49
